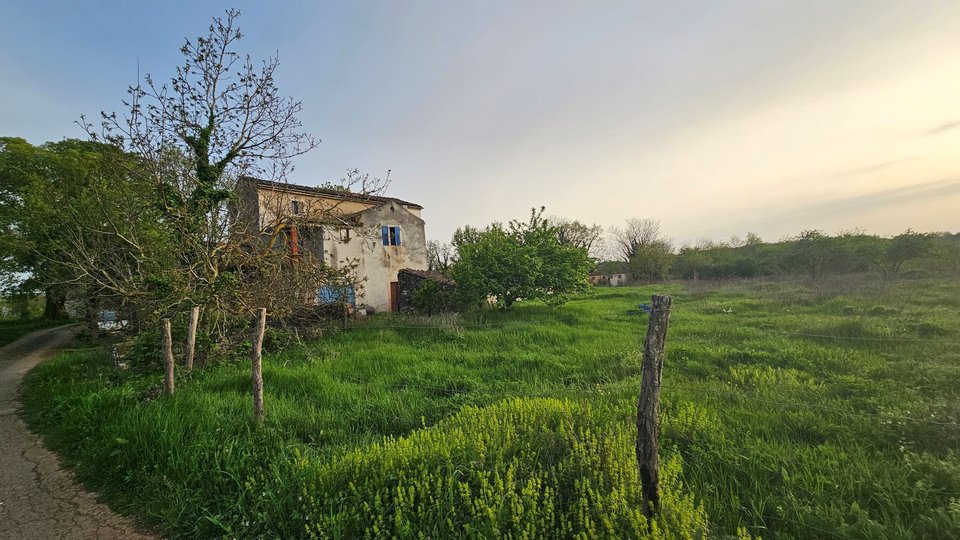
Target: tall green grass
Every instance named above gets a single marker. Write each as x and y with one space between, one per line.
779 419
14 329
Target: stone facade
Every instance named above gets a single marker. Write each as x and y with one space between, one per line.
409 280
380 235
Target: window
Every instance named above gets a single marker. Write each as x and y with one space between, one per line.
295 208
390 235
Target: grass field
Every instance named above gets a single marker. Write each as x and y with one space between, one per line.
788 412
14 329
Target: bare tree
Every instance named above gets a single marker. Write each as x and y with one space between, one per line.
221 118
571 232
637 234
439 256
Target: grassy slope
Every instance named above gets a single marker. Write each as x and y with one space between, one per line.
12 330
785 435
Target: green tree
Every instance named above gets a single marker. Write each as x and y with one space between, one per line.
651 261
889 255
522 261
571 232
810 252
648 255
83 223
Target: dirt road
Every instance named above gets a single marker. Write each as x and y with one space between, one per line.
38 499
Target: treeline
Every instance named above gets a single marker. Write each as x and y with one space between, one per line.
509 266
815 254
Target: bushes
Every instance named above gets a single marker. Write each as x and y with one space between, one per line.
432 297
525 261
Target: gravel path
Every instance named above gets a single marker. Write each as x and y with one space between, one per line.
38 499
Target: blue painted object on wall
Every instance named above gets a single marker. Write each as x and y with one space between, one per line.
335 295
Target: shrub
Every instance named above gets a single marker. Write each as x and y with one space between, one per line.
432 298
522 468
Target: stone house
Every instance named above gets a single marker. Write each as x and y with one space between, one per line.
608 280
381 235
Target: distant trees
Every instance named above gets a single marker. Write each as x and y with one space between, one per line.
648 255
440 256
810 252
523 260
889 256
571 232
816 254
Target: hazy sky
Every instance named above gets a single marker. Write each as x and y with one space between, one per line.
716 118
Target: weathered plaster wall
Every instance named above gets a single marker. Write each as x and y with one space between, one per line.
273 203
378 264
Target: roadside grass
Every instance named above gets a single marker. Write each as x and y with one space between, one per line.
787 411
14 329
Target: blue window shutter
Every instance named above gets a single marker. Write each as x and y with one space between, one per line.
386 235
398 234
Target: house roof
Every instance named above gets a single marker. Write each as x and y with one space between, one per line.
429 274
331 193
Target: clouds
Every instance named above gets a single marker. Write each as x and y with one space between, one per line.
725 117
877 200
943 128
870 169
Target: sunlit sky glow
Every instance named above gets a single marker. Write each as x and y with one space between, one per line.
716 118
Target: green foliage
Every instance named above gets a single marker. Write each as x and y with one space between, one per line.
11 331
651 262
432 298
816 255
522 468
525 261
784 414
77 200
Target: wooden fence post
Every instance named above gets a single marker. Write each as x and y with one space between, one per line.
192 337
167 357
257 365
648 405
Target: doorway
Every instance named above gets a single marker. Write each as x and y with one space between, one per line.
394 296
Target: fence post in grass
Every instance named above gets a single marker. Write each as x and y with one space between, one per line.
167 357
257 364
192 337
648 405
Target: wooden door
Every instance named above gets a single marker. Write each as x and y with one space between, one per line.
394 297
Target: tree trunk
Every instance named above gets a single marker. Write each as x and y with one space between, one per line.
256 355
93 325
54 304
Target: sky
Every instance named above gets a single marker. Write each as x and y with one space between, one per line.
715 118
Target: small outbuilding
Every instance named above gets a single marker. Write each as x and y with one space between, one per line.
410 279
609 280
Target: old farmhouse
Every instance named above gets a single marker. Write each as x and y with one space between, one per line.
381 235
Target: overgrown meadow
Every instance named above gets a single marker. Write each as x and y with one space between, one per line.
789 410
14 329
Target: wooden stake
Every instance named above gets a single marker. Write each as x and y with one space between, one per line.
192 337
648 406
167 357
257 365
